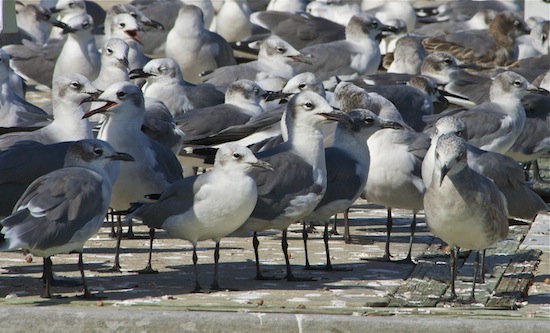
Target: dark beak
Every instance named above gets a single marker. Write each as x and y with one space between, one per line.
121 157
134 35
391 124
389 28
154 24
441 99
273 95
262 165
61 25
93 97
536 90
340 117
67 29
302 57
124 62
444 171
138 73
102 109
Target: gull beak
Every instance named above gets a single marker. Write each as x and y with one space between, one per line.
54 10
262 165
273 95
138 73
124 62
121 157
61 25
536 90
441 99
389 28
67 29
102 109
93 97
302 57
444 171
134 35
391 124
339 116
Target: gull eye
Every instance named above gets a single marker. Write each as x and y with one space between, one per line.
85 25
98 151
281 49
374 24
458 133
517 83
162 69
121 94
302 86
369 120
309 105
447 61
109 50
47 17
75 84
71 5
236 155
122 25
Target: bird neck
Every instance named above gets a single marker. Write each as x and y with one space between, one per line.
352 144
307 141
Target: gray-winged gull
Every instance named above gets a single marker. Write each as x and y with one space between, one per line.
299 181
463 208
156 167
126 27
114 64
208 206
61 210
195 48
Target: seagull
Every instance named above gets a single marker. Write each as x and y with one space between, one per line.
358 54
408 56
14 110
65 10
507 174
126 27
159 125
489 48
194 48
242 103
347 163
69 92
233 20
79 53
208 206
299 181
293 6
114 64
165 82
274 60
463 208
156 167
340 12
496 125
480 21
61 210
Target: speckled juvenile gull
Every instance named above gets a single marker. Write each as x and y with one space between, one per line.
208 206
493 47
299 181
79 53
165 82
242 103
358 54
68 93
274 60
496 125
522 201
156 167
61 210
14 110
463 208
196 49
347 171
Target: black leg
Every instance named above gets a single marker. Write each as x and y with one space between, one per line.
476 268
305 236
289 275
111 217
482 273
116 266
215 284
389 227
259 275
87 294
347 236
334 230
149 268
453 263
408 259
198 288
47 276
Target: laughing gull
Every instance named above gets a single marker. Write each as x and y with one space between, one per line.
65 10
493 47
125 27
61 210
114 64
156 167
408 56
242 103
347 171
208 206
480 21
464 208
393 10
165 82
340 12
233 20
195 49
68 93
33 23
358 54
299 181
274 60
395 179
299 29
14 110
496 125
79 53
522 202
